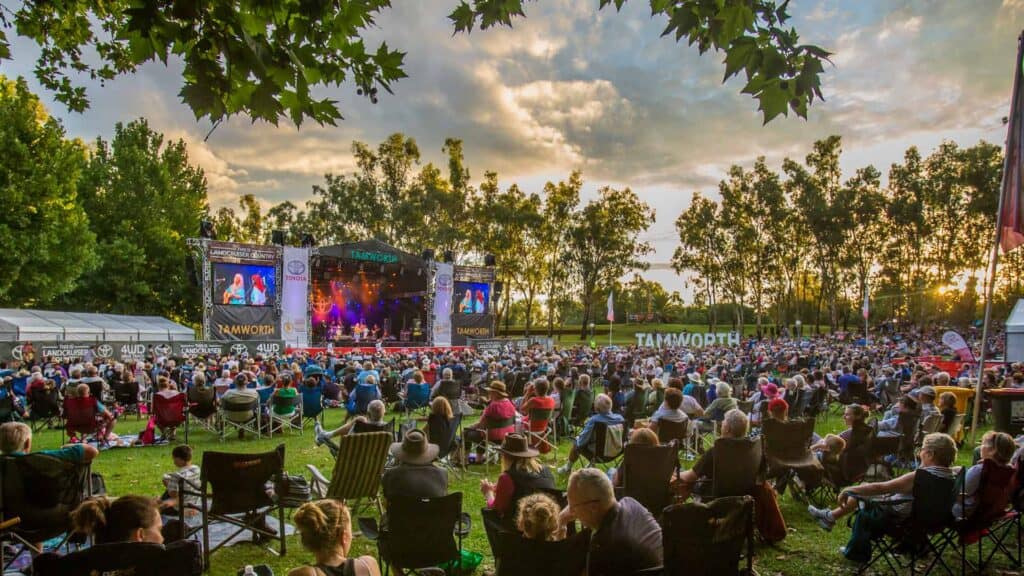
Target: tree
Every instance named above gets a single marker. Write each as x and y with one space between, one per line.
45 241
701 247
603 243
560 202
866 209
144 200
266 60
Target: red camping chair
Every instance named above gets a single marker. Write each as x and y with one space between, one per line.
169 413
82 416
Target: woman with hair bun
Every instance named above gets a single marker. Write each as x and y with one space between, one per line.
325 528
126 519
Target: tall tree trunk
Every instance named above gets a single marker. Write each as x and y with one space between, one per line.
586 317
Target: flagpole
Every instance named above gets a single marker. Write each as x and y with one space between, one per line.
866 312
994 258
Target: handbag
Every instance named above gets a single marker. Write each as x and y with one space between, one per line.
292 490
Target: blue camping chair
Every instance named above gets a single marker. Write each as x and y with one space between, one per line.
416 396
265 393
312 402
362 395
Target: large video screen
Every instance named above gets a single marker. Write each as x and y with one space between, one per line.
244 284
471 297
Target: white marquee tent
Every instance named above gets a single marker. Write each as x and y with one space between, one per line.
1015 333
53 326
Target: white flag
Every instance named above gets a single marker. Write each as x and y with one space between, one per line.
611 308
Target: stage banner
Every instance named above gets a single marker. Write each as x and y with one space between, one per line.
295 298
498 345
471 326
144 350
443 286
244 323
242 253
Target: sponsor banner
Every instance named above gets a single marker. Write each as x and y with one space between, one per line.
341 350
474 274
295 297
244 323
498 345
956 342
242 253
471 326
444 284
122 351
693 340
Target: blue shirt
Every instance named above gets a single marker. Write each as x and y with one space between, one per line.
588 429
845 380
73 453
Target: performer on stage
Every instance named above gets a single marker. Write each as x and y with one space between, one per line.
258 294
466 306
479 306
235 294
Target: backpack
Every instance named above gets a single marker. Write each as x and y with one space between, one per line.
148 436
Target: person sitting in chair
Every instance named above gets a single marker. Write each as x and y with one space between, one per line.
734 425
625 536
415 475
325 528
16 440
584 442
374 417
522 474
670 410
240 393
126 519
499 409
938 452
537 518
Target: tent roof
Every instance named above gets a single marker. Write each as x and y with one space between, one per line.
18 325
1015 323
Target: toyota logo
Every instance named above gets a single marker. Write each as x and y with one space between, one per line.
162 350
296 267
239 349
104 350
16 352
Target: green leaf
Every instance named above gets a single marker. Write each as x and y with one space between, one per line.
773 100
737 56
463 18
773 64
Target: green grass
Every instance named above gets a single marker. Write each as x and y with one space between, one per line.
806 550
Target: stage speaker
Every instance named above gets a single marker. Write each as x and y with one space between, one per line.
496 291
489 260
428 254
207 230
308 241
449 256
277 237
191 272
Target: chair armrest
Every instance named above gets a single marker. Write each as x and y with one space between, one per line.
369 528
880 502
10 523
465 525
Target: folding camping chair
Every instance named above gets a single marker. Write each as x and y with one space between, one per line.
708 539
182 558
419 533
126 394
40 491
607 445
312 402
520 555
992 520
233 490
290 420
787 452
252 424
81 416
44 408
646 472
169 413
446 443
202 408
546 439
357 471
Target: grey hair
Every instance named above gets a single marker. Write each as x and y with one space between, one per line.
603 403
371 379
800 381
592 484
375 410
737 422
446 374
762 381
723 390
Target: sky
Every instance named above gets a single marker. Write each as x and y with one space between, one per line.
574 87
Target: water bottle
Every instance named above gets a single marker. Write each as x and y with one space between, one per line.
249 571
472 457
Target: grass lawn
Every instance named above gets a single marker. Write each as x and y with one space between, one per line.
807 549
624 334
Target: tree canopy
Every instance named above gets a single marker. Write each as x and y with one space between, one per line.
267 60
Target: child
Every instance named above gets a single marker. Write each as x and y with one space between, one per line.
947 407
182 458
537 518
829 449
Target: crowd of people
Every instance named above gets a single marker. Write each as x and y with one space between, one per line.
525 399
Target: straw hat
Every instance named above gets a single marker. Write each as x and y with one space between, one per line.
498 388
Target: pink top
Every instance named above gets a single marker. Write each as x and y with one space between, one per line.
500 410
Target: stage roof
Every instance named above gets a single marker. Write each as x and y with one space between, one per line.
49 326
373 252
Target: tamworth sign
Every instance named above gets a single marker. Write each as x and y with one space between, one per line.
659 340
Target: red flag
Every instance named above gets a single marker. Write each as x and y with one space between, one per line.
1011 212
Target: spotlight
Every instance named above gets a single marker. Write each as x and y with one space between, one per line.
308 240
449 256
207 229
277 237
490 260
428 254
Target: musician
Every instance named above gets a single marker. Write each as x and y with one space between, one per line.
235 293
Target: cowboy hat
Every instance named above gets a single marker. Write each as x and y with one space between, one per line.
414 448
516 445
694 377
498 388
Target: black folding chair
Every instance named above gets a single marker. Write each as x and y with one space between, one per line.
708 539
738 467
419 532
520 555
41 491
787 452
646 472
182 558
598 452
44 408
233 490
